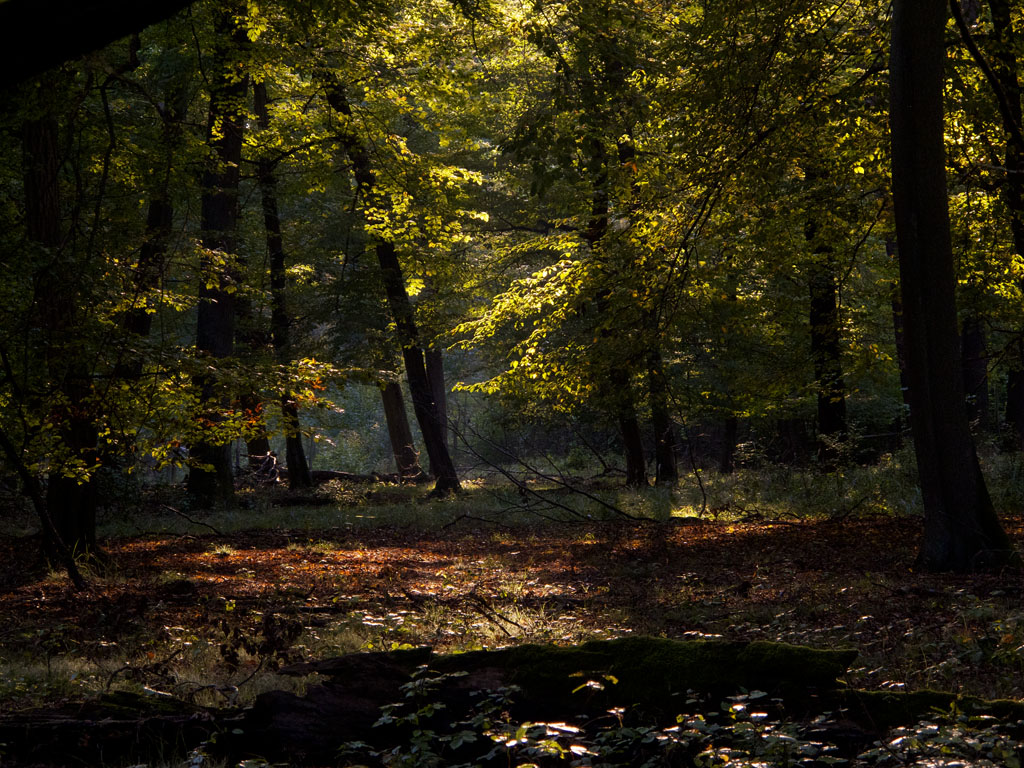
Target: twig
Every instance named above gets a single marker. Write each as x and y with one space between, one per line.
490 613
178 512
446 526
530 468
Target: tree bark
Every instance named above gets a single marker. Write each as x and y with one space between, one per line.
71 495
620 388
975 371
401 309
1006 68
434 359
666 469
407 460
727 454
280 320
825 353
961 530
210 480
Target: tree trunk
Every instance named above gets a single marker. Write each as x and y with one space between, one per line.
666 470
280 321
210 480
961 530
137 319
620 388
975 371
435 372
633 446
401 309
71 497
825 353
423 404
1005 67
407 460
727 455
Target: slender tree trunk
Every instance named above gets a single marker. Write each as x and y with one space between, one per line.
620 387
633 446
401 309
407 460
825 353
666 469
423 404
961 530
210 480
137 320
975 372
280 321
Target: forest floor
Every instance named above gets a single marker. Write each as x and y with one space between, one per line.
207 616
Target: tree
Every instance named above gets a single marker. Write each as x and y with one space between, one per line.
961 530
280 320
402 312
210 480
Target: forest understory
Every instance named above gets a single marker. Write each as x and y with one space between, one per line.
184 611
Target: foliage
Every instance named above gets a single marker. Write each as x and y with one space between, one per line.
747 729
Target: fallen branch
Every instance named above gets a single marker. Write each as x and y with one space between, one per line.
178 512
525 489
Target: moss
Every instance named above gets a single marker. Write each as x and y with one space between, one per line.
879 710
651 671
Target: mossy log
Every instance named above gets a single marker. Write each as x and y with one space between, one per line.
880 710
649 674
116 728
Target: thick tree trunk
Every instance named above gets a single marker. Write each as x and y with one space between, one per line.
70 500
633 446
727 456
401 309
825 353
961 530
210 480
434 359
407 460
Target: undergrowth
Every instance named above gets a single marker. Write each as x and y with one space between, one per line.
204 606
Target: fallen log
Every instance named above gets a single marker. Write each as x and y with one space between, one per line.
650 679
117 728
651 675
